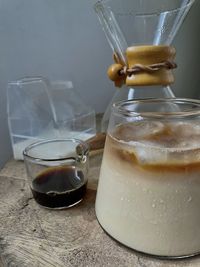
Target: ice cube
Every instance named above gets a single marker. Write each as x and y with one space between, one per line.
159 143
138 131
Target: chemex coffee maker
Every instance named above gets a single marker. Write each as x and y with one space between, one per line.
140 33
148 193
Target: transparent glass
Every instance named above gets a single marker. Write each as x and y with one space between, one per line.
148 194
39 109
57 171
129 23
127 93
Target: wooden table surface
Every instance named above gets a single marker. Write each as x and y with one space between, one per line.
32 236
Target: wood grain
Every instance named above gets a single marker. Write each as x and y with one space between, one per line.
31 236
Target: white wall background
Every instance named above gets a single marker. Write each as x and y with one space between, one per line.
62 39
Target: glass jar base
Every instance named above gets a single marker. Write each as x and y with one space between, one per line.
161 257
60 208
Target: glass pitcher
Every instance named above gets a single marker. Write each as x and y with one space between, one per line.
148 194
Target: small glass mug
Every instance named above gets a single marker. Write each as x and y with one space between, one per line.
57 171
148 195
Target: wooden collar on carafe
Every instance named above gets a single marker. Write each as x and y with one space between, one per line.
146 65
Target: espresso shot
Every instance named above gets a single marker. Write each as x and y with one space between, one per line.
59 187
57 172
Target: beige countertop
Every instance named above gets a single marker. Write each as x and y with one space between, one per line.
33 236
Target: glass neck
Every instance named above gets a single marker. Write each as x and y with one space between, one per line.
148 22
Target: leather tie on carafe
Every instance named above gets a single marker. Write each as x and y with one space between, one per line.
146 66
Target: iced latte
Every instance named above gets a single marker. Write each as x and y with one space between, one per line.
149 189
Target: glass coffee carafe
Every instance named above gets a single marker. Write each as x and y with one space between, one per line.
130 24
148 194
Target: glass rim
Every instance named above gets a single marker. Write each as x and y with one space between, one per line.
101 3
26 151
120 108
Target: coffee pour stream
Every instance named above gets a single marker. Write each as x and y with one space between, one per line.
140 33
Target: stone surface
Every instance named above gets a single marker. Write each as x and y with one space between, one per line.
37 237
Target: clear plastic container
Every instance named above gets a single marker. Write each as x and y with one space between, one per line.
39 109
